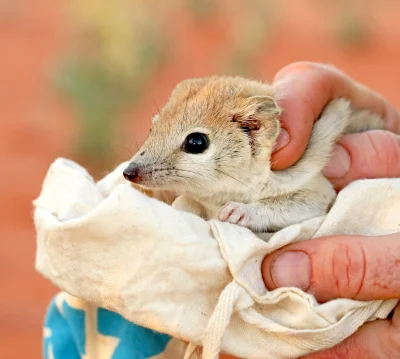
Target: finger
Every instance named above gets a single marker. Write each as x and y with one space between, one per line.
355 267
379 340
303 89
372 154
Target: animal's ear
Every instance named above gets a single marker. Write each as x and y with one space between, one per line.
256 112
263 106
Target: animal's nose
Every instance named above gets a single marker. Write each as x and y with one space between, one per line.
131 173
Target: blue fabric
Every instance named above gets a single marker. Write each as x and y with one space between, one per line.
61 341
65 335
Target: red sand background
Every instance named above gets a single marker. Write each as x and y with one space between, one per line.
36 125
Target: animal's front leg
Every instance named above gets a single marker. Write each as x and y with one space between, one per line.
275 214
249 215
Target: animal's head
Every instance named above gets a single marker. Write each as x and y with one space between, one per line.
212 133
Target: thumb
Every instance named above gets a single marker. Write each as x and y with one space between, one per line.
363 268
372 154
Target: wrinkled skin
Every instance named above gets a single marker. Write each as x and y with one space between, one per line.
373 264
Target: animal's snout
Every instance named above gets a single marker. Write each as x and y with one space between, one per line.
132 173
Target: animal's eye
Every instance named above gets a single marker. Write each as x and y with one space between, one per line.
196 143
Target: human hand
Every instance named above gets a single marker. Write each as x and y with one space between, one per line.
364 268
303 90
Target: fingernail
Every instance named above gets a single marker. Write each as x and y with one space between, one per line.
339 164
292 269
283 140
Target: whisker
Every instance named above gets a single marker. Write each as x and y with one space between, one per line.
178 173
126 149
235 179
211 178
193 173
135 143
155 103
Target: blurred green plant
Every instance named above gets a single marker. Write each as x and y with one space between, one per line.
119 48
119 45
349 20
257 19
352 29
202 9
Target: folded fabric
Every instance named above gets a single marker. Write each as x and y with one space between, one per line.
199 281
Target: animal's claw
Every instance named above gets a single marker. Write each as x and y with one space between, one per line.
236 213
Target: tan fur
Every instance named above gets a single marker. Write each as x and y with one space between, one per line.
232 179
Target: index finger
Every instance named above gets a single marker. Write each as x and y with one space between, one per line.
303 89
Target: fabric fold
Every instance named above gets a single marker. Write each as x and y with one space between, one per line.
199 281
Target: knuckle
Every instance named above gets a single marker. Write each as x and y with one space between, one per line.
392 348
299 66
348 269
384 151
394 342
341 351
387 341
314 66
304 65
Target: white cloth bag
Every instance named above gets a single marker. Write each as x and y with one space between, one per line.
199 281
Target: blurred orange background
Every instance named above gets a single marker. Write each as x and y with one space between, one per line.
83 81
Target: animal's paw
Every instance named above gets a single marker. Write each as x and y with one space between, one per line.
244 215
